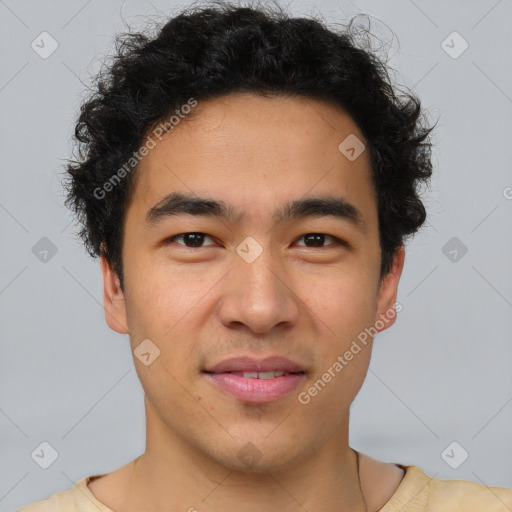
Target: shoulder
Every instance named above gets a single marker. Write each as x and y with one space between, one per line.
418 492
77 498
469 496
57 502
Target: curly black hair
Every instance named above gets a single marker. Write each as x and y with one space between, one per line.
207 52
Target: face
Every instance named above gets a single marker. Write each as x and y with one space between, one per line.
264 280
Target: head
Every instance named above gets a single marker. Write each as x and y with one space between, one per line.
285 152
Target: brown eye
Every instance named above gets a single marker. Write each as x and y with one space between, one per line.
317 240
191 240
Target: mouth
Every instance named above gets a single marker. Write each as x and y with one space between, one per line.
256 387
258 375
256 381
247 364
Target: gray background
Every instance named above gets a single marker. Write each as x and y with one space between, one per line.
440 374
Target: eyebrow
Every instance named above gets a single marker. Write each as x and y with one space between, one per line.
176 204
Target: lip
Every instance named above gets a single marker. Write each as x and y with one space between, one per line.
256 390
249 364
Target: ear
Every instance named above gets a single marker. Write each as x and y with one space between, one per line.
386 313
113 298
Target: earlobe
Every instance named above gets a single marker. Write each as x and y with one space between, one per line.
386 311
113 298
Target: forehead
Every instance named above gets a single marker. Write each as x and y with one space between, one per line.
255 152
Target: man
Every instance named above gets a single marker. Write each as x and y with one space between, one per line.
248 181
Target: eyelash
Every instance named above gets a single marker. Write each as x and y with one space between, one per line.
336 240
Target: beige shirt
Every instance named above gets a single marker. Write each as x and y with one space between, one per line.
416 493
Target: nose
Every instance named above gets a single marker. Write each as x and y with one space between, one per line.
258 295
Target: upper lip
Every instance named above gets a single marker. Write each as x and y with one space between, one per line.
249 364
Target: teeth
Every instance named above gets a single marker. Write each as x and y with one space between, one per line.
260 375
268 375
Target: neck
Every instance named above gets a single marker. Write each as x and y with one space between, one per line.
171 475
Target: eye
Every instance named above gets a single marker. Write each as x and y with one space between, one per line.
319 238
195 239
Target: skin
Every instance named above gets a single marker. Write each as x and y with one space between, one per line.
201 305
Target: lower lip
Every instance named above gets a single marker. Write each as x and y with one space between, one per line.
256 390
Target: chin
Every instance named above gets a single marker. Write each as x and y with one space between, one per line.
260 453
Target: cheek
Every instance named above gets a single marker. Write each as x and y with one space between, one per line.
164 307
344 349
342 307
158 299
344 302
